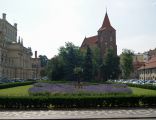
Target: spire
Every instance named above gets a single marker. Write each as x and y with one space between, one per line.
106 22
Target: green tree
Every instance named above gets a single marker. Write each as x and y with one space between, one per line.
110 67
96 61
78 73
72 57
126 63
55 68
44 60
43 73
103 72
88 65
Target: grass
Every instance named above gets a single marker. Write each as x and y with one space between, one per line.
16 91
23 91
141 91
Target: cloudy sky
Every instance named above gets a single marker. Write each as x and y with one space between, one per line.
45 25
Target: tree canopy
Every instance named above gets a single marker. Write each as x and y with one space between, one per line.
71 57
126 63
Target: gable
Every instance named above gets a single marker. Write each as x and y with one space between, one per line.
90 41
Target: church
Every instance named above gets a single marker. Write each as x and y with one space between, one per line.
104 40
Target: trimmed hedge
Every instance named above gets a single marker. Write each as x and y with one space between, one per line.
15 84
76 102
145 86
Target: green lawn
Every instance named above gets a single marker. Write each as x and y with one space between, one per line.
15 91
141 91
23 91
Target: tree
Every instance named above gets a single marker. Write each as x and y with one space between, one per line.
96 61
43 73
126 63
88 65
103 72
110 67
78 73
44 60
72 57
55 68
62 66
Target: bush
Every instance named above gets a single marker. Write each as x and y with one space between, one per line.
9 85
145 86
42 102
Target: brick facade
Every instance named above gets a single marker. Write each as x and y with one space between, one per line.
106 38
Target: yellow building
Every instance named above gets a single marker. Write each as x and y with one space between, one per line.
15 59
148 71
36 67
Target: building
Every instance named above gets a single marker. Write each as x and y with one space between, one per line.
152 53
148 71
15 59
104 40
36 67
138 61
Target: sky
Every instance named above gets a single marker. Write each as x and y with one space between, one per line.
45 25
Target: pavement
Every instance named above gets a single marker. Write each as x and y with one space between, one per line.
95 114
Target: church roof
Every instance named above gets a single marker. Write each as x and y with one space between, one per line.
90 41
106 23
150 64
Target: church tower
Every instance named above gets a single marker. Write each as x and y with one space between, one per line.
106 37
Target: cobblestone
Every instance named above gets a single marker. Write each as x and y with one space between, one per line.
81 114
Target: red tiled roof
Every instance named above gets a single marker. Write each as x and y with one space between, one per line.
150 64
106 23
90 41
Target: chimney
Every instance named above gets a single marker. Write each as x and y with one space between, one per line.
4 16
15 25
35 54
19 39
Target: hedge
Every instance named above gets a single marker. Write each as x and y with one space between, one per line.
41 102
15 84
145 86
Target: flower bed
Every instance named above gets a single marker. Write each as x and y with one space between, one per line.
71 88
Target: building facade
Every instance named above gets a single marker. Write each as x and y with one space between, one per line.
15 59
104 40
138 61
36 67
152 53
148 71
